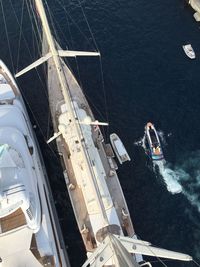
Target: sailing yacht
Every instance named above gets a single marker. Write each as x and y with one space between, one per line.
28 228
89 168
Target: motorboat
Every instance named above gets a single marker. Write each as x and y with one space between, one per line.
154 149
189 51
29 229
119 149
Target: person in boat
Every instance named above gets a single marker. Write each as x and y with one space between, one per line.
156 150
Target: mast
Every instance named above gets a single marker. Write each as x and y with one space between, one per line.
67 98
55 56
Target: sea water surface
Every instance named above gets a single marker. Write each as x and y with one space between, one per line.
147 77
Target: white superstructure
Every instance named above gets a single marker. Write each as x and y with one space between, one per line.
28 232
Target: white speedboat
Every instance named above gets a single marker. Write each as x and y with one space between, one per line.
154 146
118 147
189 51
28 226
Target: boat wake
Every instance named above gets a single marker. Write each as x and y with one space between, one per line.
183 177
171 177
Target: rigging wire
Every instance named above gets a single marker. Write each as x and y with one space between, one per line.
68 65
101 67
159 260
104 93
36 34
56 24
70 34
73 21
34 37
7 36
57 38
165 260
37 41
43 86
78 71
82 141
195 262
89 28
48 124
162 261
20 34
52 22
26 43
27 46
55 32
96 48
171 260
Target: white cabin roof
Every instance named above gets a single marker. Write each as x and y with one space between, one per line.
120 148
6 91
6 160
11 115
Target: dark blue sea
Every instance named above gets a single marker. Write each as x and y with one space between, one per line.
147 77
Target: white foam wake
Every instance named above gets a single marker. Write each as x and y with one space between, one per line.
183 177
171 177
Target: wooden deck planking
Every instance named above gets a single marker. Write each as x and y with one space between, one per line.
12 221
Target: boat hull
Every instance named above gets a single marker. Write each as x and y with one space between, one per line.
119 148
189 51
86 220
154 145
45 229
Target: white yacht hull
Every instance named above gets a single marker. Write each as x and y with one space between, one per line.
39 225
